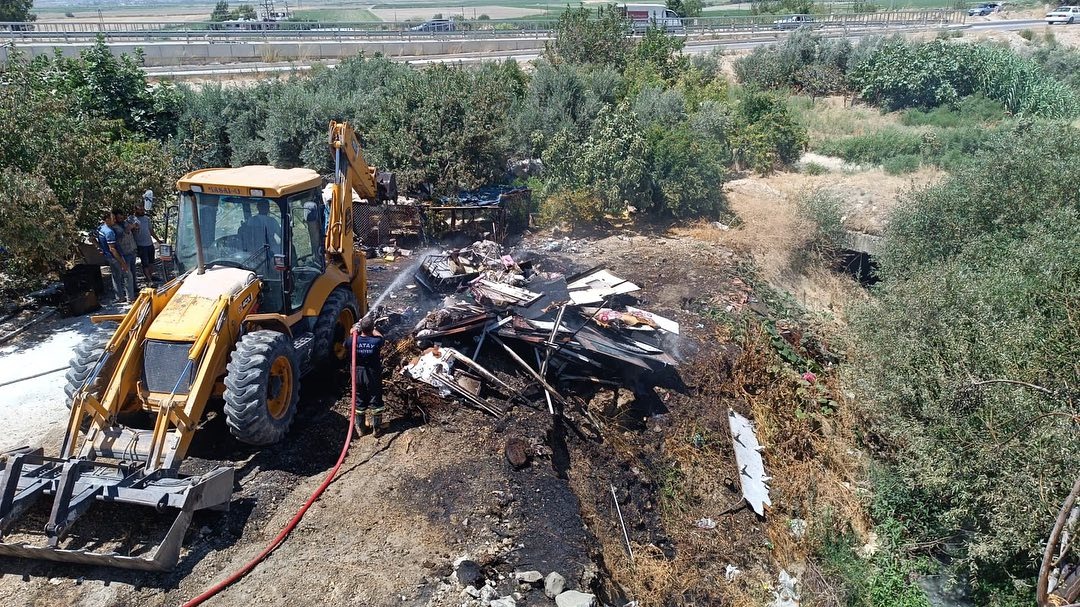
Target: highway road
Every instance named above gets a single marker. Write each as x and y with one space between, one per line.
248 70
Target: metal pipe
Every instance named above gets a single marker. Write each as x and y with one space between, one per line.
199 256
626 536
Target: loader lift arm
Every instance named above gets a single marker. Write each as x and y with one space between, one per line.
352 174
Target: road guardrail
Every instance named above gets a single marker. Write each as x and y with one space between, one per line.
154 31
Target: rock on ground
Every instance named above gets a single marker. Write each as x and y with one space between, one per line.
573 598
554 585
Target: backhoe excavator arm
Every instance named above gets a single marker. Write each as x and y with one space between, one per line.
352 174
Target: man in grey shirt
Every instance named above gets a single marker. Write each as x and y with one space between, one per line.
144 240
125 241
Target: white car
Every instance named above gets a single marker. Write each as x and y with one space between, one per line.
1063 14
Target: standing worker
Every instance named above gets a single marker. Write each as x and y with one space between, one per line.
125 241
144 241
118 270
368 346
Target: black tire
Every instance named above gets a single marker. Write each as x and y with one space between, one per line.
87 355
260 403
339 313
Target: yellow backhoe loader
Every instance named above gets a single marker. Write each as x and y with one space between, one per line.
271 283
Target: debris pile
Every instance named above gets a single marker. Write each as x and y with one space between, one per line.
548 329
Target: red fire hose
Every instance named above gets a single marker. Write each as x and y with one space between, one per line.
277 541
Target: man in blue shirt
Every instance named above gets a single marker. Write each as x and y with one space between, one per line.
118 268
368 346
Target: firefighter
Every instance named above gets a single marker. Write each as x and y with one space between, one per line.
369 405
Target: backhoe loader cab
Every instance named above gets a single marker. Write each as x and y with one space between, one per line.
265 220
271 284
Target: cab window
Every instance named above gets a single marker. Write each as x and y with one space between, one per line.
306 260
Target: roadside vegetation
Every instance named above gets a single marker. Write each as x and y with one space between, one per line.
962 364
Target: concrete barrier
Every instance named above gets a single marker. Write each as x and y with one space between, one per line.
207 52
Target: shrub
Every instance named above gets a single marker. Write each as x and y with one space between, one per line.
610 163
573 207
687 172
654 105
1027 35
561 98
581 39
972 110
803 61
874 147
823 210
979 283
899 74
814 169
34 230
766 136
902 164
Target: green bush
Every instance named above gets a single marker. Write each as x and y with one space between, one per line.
766 136
572 207
582 39
972 110
823 210
610 163
687 172
980 283
1027 35
876 147
814 169
35 233
902 164
803 61
901 74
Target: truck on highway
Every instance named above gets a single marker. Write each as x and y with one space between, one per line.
644 16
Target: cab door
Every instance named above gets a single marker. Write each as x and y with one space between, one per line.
306 259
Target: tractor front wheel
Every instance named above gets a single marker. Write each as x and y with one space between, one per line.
338 315
82 365
262 387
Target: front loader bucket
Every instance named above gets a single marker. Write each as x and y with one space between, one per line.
76 484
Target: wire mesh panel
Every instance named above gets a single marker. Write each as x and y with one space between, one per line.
378 225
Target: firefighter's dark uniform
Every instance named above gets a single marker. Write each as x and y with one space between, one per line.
369 404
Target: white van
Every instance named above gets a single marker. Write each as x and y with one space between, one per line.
644 16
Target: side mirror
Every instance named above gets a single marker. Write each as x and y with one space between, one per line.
165 252
281 262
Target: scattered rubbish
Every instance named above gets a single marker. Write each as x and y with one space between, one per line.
787 592
541 330
731 572
435 367
798 528
755 485
705 523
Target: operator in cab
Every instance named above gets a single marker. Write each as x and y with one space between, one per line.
369 403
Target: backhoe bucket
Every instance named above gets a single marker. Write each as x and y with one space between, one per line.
75 484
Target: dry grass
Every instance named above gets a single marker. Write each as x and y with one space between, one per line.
832 117
808 454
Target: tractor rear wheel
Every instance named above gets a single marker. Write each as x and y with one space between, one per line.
339 313
262 387
87 355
